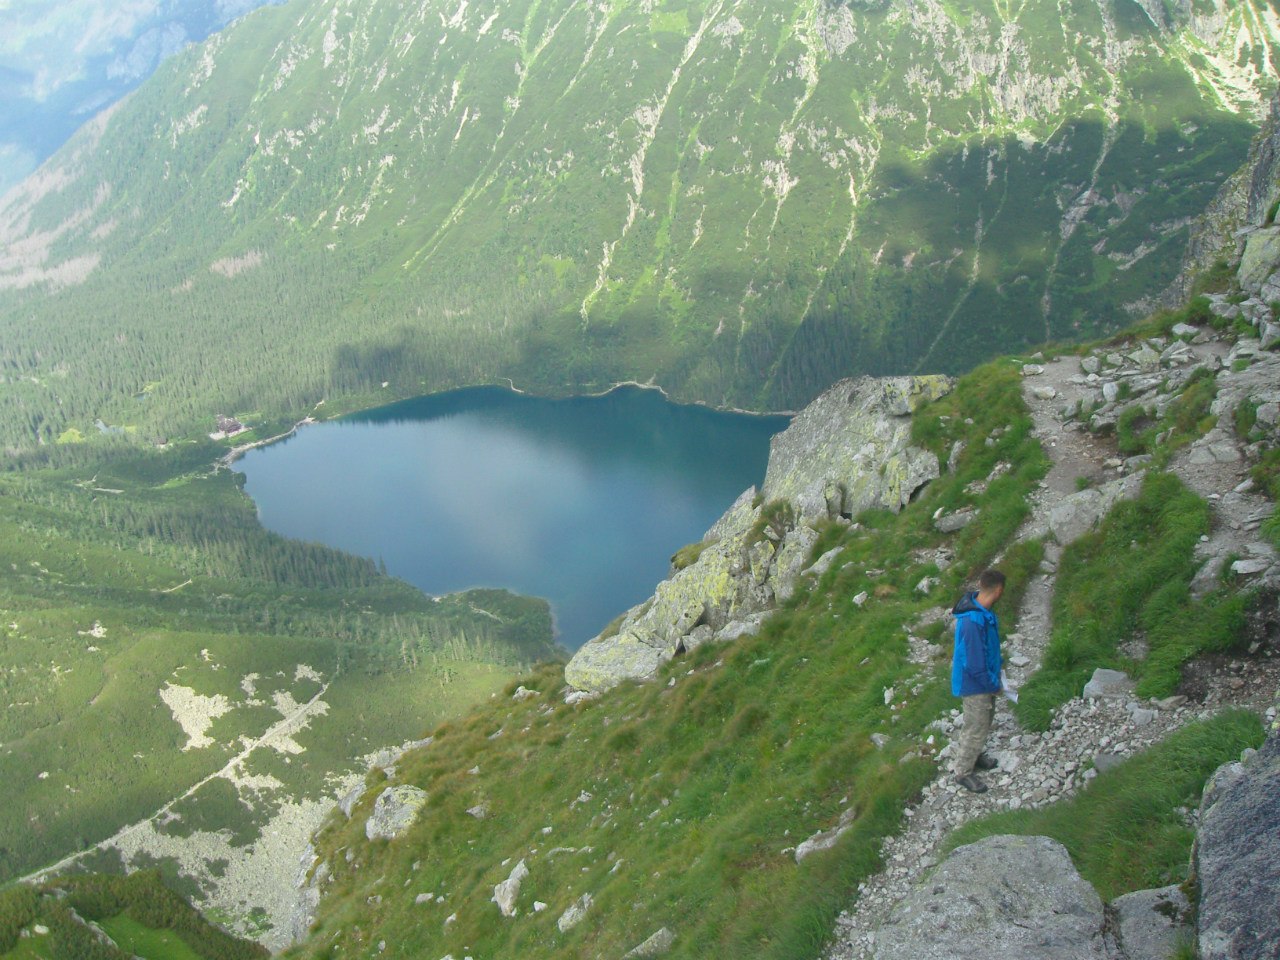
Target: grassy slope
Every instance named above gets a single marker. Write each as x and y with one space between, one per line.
106 598
680 801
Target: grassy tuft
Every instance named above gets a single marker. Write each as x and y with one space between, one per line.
1133 573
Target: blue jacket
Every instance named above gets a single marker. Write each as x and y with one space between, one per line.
975 667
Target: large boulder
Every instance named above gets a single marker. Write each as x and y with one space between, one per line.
1077 514
394 811
1017 898
850 449
1237 859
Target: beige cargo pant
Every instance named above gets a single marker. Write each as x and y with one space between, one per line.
978 711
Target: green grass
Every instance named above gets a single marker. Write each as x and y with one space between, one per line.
1129 829
145 942
1132 574
143 917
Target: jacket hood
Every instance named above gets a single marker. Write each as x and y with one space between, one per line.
968 604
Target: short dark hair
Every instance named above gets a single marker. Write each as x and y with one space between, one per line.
990 579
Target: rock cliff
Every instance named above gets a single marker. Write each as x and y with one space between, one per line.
1244 204
848 451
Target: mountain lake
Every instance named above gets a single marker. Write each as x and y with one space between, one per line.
579 501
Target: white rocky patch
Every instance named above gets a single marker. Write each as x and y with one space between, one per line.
305 672
231 266
194 712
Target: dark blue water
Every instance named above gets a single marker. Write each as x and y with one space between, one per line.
580 501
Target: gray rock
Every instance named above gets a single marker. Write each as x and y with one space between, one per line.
926 585
1108 684
791 558
741 628
951 522
1142 716
576 913
1017 898
825 839
1105 762
1110 391
1090 364
350 799
1261 254
1236 859
824 562
1077 513
1032 370
860 599
656 946
505 893
1152 923
1184 330
857 436
1270 334
394 811
1249 567
480 811
1044 393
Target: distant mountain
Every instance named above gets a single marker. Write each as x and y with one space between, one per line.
740 201
60 63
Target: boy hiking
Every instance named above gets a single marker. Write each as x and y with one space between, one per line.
975 676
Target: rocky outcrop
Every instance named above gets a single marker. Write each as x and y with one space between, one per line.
506 892
848 451
1236 859
394 811
1241 205
1019 898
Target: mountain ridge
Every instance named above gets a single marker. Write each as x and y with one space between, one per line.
736 202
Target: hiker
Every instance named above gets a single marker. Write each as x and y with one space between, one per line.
975 677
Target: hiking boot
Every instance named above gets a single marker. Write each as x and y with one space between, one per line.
986 762
971 783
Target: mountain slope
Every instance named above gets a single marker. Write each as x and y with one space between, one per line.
743 201
184 689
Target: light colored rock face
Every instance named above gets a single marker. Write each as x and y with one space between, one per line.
1237 859
847 451
575 914
850 450
394 811
1078 513
1260 259
1017 898
1151 923
505 893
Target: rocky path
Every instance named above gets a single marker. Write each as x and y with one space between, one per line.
1086 736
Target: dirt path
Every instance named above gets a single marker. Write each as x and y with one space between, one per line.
1037 769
